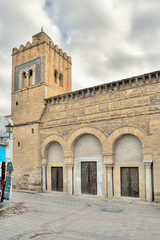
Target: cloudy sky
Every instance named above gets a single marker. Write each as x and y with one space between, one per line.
107 39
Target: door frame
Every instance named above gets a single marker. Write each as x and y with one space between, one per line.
87 166
77 173
57 176
48 177
117 179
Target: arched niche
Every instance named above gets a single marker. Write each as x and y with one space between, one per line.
88 165
87 145
55 153
128 148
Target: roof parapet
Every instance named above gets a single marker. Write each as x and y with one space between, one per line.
21 48
38 39
107 87
56 48
28 45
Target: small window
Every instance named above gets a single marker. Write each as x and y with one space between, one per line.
24 75
30 74
61 79
16 103
61 76
24 79
19 144
32 130
56 76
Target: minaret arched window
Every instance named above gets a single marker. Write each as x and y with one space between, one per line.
56 76
30 74
61 79
24 79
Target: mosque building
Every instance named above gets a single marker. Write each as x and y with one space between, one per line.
102 140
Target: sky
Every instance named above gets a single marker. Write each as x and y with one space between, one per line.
108 40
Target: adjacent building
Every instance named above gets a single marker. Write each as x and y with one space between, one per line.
6 141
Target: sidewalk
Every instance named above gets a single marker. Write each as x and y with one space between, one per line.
60 216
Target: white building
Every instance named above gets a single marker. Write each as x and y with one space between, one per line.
6 141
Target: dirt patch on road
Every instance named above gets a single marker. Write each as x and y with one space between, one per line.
16 209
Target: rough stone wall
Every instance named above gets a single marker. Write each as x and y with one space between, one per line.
105 110
30 104
155 132
57 60
27 166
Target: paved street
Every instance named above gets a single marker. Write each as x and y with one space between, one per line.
60 216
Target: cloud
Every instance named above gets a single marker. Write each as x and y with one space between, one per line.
94 31
19 20
108 40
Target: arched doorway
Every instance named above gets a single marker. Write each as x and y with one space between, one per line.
128 158
55 158
88 165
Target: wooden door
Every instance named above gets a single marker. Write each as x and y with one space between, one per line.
134 182
85 177
60 179
129 181
89 177
57 179
93 178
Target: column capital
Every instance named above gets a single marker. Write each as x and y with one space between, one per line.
43 161
68 160
109 165
107 154
69 166
43 165
108 158
148 163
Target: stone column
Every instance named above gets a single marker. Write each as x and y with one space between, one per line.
44 178
110 181
70 179
148 180
33 77
28 83
20 81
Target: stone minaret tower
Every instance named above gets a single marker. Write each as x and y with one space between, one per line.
39 70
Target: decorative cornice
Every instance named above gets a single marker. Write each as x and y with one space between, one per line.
26 123
108 87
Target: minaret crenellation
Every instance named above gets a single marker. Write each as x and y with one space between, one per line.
38 39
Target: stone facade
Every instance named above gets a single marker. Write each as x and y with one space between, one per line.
93 120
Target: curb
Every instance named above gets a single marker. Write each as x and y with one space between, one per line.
24 191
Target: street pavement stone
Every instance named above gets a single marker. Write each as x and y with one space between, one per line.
60 216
